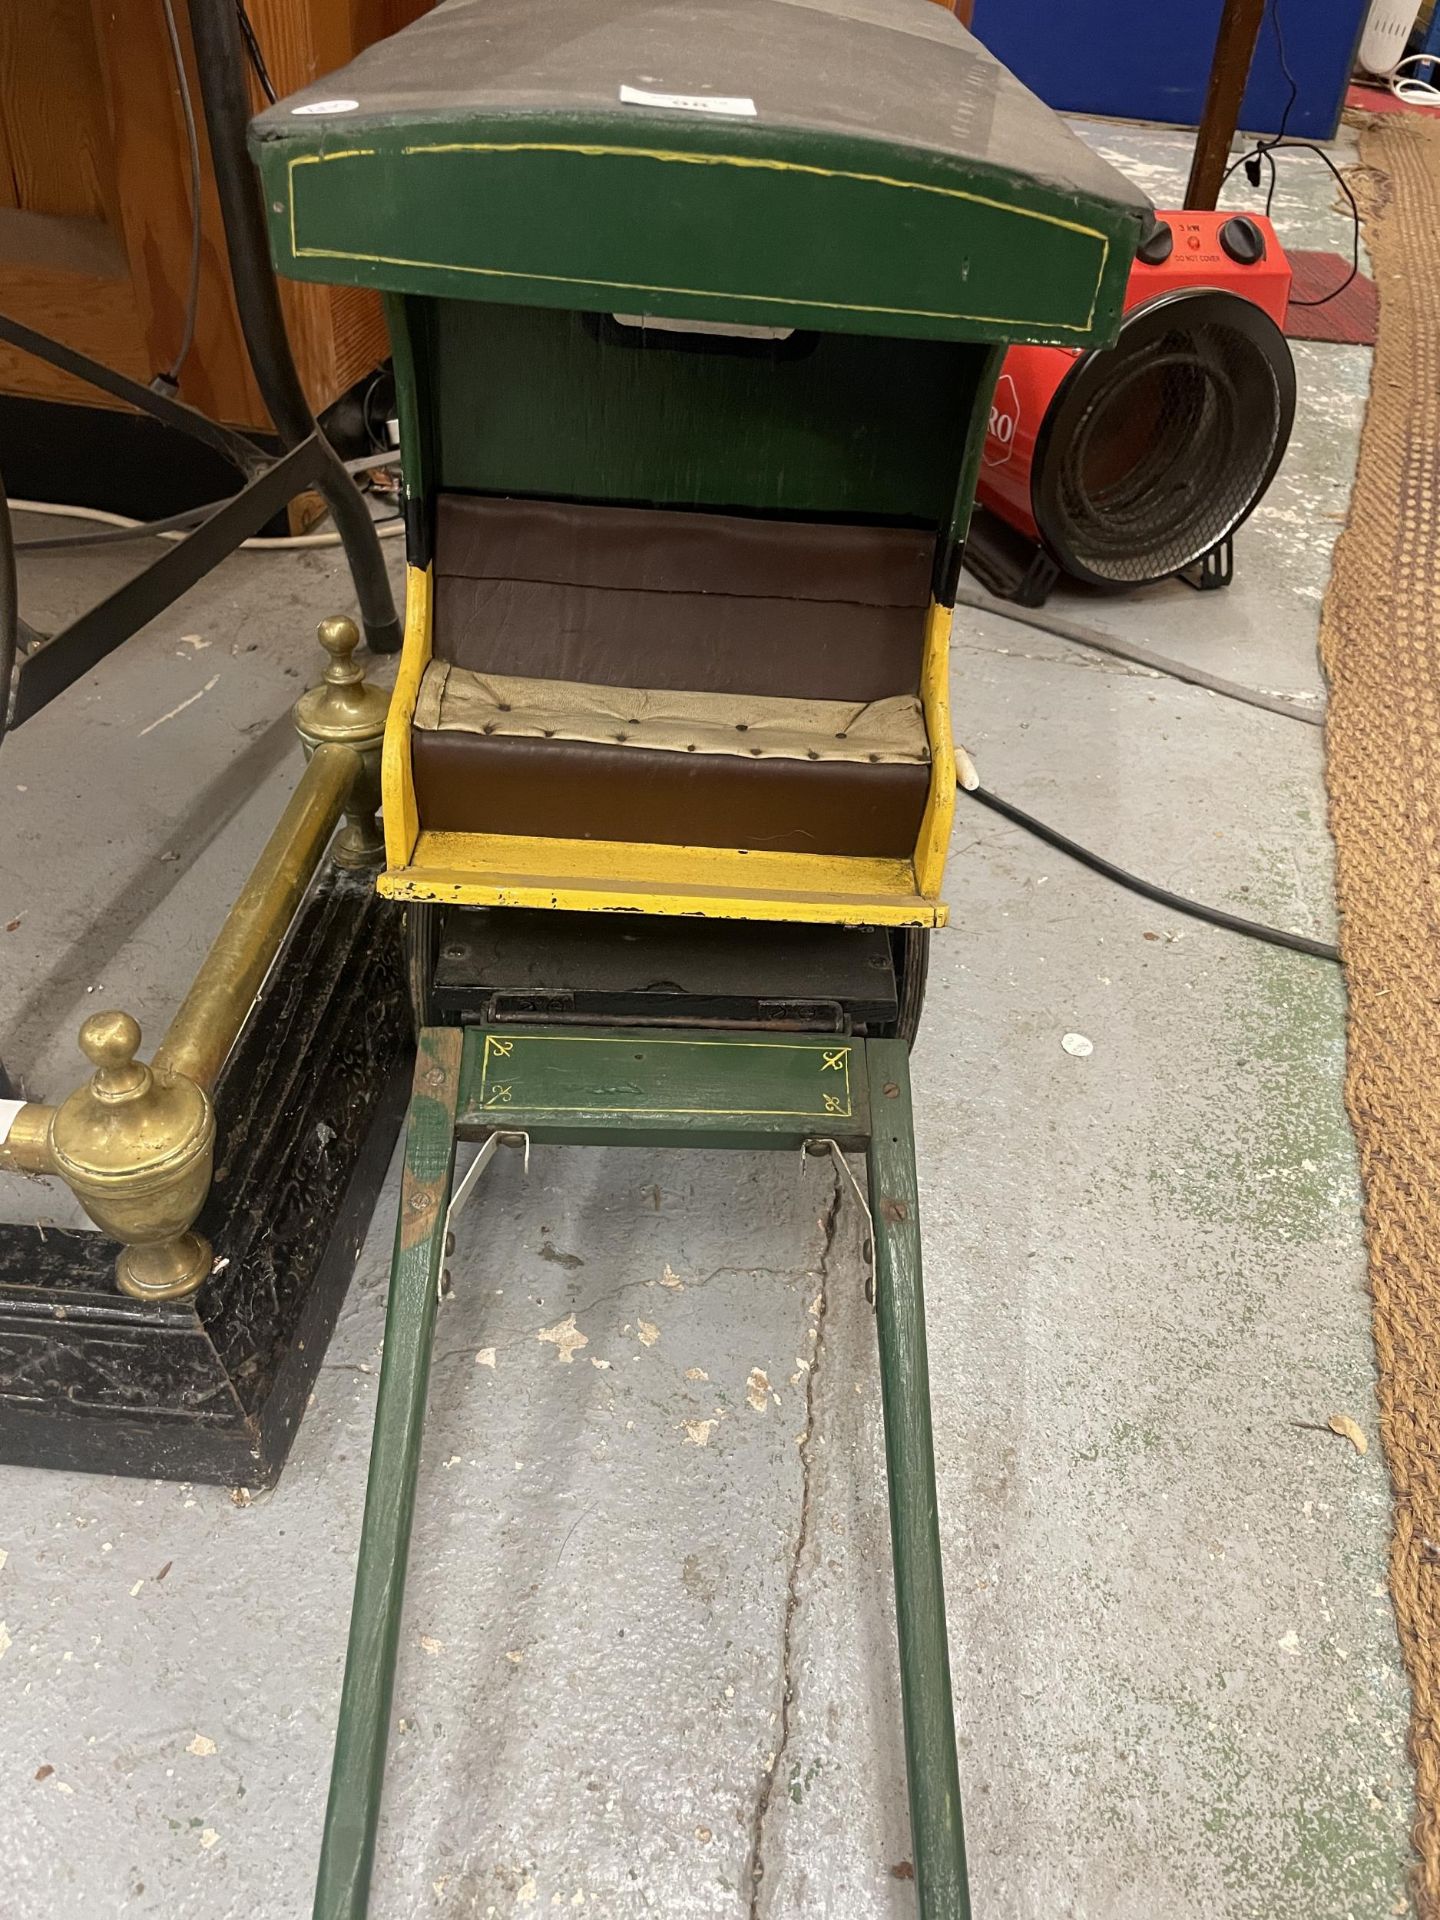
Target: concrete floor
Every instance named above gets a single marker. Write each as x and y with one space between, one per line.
1177 1681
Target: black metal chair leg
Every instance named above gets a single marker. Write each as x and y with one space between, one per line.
220 57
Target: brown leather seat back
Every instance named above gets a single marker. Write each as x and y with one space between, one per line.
704 602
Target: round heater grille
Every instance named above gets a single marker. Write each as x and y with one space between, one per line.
1157 448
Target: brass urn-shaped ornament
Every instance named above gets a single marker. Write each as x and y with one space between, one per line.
343 711
136 1148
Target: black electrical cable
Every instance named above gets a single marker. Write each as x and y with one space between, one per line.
9 612
253 52
1267 153
1305 146
1265 150
171 377
1273 9
1177 902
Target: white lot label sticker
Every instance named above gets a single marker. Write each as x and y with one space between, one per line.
688 102
9 1111
325 106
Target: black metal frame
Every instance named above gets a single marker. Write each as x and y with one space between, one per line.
1006 562
1014 567
44 666
469 966
1213 570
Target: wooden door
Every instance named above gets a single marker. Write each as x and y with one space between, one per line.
95 214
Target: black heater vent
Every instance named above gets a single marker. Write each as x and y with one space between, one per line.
1157 449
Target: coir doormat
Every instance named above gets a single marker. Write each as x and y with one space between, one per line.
1380 640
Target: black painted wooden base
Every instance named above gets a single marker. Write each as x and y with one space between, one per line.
308 1110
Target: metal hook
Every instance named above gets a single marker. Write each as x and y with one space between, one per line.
837 1155
466 1187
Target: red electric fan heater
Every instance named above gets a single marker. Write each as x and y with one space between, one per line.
1130 464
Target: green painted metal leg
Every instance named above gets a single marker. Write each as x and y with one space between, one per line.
937 1833
348 1850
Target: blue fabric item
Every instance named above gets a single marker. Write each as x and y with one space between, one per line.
1135 60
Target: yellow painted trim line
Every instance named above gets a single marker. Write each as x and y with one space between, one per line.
397 778
455 891
489 870
933 846
668 156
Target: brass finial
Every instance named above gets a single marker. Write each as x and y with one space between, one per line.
339 636
110 1041
344 712
136 1148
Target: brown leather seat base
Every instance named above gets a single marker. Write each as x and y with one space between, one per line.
580 790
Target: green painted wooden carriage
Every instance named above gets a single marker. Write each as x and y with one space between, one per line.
697 309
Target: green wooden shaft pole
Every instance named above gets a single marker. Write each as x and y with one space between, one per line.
937 1832
352 1816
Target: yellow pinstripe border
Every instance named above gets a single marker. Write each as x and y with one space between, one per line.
598 1040
669 156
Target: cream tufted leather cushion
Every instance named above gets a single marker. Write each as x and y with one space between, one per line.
456 700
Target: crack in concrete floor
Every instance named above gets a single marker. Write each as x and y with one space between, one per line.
828 1225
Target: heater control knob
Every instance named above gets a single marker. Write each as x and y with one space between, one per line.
1158 245
1243 240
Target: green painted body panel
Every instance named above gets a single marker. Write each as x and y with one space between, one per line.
970 450
635 1087
932 1774
357 1775
531 401
411 328
843 235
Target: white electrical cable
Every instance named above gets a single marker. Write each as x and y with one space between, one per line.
289 543
1417 92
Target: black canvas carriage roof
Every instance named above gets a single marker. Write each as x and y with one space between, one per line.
854 100
903 72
